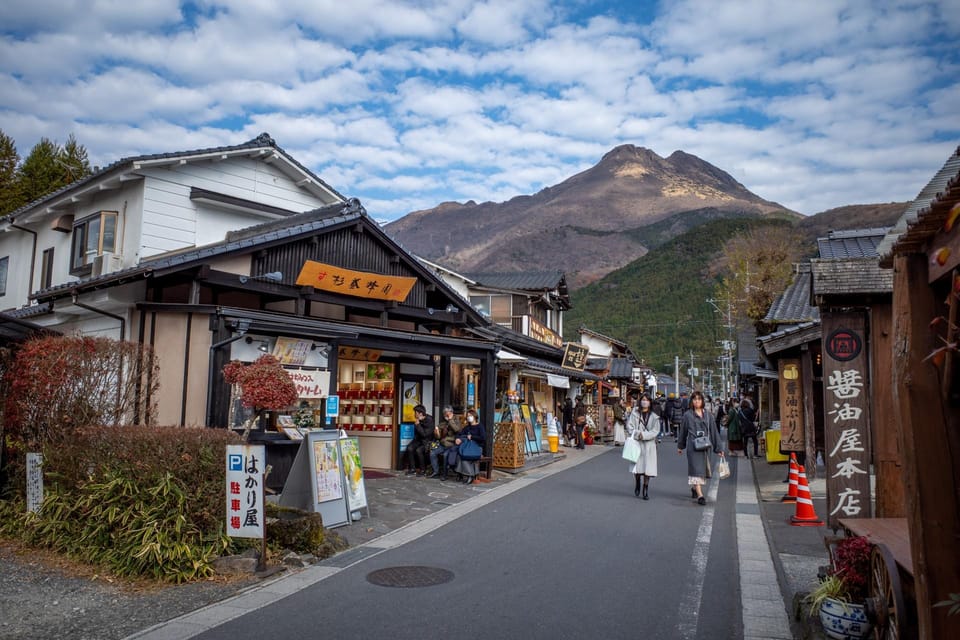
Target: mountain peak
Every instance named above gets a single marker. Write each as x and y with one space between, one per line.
628 153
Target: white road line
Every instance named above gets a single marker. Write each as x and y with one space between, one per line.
689 611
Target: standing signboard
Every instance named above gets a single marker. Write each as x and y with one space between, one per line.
791 406
846 417
245 509
353 475
316 480
34 482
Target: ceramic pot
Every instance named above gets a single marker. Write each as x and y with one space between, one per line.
844 620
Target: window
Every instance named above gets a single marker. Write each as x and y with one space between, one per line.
46 269
92 237
4 267
495 307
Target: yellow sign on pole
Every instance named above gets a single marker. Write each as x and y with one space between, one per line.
361 284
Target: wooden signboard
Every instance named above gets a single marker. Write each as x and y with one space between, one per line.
377 286
575 355
791 406
846 417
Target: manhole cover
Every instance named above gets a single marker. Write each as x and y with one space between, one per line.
409 576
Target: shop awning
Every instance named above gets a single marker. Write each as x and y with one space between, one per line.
540 367
508 356
560 382
765 373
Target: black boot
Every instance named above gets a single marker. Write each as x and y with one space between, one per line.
645 496
636 489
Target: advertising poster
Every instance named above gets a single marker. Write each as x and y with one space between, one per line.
291 350
406 435
412 394
327 465
353 471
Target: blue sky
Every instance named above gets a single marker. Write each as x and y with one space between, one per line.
407 104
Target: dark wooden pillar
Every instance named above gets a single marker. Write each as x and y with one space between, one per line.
930 469
809 418
887 461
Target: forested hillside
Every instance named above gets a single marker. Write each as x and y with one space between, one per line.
657 304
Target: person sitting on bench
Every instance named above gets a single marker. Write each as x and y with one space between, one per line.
446 433
468 469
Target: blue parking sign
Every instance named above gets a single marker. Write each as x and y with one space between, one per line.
235 462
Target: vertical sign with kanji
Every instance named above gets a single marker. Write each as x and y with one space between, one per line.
847 417
34 481
791 406
245 511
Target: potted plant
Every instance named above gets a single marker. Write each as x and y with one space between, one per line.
839 599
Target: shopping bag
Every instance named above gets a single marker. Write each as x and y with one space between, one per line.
723 468
631 450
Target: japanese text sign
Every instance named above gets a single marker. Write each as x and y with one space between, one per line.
575 355
328 277
245 510
791 406
291 350
310 384
34 481
846 417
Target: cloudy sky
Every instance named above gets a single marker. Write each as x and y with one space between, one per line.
409 103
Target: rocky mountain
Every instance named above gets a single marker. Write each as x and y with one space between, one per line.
598 220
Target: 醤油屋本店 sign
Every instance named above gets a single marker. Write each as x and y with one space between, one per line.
362 284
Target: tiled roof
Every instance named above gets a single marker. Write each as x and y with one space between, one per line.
524 280
788 337
262 141
925 215
850 276
855 243
549 367
793 305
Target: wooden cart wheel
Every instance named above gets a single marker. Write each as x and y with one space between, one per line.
886 595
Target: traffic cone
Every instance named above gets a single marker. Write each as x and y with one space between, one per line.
794 481
805 515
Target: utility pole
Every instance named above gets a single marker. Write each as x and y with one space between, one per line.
727 345
693 380
676 376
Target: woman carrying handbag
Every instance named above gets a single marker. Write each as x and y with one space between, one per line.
698 435
643 426
475 434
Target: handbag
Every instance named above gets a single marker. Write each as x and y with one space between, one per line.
631 450
723 468
701 442
470 450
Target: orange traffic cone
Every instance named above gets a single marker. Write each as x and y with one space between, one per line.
805 515
794 481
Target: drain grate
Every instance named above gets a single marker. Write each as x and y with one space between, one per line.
406 577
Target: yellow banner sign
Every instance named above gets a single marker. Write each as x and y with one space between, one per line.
361 284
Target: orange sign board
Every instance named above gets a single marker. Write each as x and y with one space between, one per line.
361 284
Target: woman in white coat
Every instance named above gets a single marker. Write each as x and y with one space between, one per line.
644 426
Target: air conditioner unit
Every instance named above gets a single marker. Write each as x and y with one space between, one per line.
107 262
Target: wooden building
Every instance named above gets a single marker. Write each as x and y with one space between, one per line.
923 250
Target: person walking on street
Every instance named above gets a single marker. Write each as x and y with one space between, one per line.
644 427
579 421
567 422
619 423
698 422
748 426
734 437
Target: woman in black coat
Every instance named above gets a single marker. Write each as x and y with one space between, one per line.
698 421
472 431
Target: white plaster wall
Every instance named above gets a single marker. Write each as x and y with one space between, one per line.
599 348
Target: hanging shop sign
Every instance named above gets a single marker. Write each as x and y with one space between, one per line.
544 334
575 355
791 406
291 350
847 417
311 384
358 353
361 284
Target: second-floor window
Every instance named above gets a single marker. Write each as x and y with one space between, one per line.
92 236
495 307
4 267
46 269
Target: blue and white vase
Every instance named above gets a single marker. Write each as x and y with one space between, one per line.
844 620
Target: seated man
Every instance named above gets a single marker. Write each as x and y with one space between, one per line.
415 455
446 432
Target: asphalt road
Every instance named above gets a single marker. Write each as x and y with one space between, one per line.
574 555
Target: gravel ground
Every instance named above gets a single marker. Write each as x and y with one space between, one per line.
43 596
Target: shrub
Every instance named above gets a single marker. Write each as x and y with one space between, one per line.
57 384
140 501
